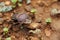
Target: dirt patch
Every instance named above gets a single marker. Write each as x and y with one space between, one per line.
28 21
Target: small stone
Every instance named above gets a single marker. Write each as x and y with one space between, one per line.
12 36
39 2
55 12
21 17
33 25
7 3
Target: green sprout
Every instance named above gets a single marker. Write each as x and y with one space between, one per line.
9 38
14 1
33 10
5 30
19 4
48 20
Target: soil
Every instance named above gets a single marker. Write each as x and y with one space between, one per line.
43 7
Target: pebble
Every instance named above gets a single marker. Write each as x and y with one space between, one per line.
38 1
55 12
21 17
7 2
34 25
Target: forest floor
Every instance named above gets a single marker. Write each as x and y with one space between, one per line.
43 11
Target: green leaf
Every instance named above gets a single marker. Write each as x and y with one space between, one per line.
19 4
48 20
5 29
33 10
14 1
9 38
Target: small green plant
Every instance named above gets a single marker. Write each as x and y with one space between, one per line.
33 10
5 30
9 38
19 4
14 1
48 20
